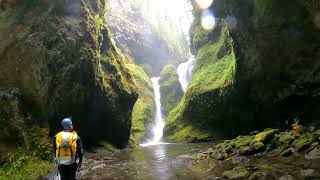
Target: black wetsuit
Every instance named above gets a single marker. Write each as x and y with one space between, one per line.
68 172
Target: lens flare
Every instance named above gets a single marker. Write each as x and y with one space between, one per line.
204 4
208 21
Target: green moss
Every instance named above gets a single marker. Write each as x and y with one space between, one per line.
203 165
258 176
252 149
40 143
243 141
147 68
265 135
316 136
199 37
189 134
143 110
236 173
170 88
22 165
303 143
288 137
108 146
214 71
168 69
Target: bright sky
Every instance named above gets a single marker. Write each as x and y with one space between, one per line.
175 9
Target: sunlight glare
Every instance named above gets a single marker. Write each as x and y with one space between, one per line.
204 4
208 21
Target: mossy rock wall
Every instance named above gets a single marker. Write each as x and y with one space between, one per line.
272 75
207 92
59 56
170 88
143 110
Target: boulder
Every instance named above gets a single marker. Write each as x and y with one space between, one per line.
170 88
236 173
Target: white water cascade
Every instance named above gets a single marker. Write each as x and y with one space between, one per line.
157 129
185 72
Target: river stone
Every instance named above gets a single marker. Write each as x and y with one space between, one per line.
314 154
202 165
286 177
307 172
235 173
239 159
265 135
303 143
258 176
287 152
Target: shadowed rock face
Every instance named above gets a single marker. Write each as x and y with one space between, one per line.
59 56
276 49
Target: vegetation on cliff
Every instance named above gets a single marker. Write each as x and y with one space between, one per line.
170 88
63 63
212 80
143 110
245 80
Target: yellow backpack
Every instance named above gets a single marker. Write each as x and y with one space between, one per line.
66 143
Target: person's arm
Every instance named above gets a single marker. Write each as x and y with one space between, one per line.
79 149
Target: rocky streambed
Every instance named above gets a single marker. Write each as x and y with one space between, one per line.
268 155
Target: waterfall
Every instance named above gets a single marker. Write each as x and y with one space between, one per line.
185 72
159 121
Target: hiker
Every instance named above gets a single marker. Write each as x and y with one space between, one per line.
68 150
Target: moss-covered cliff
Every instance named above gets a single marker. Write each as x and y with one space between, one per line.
260 69
143 110
60 61
212 81
170 88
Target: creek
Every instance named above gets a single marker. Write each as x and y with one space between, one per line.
175 161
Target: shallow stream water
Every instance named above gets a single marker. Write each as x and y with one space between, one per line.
175 162
159 162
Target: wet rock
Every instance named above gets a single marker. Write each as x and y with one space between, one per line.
239 159
286 177
307 172
314 145
246 150
287 152
303 143
259 146
265 135
253 149
287 138
202 165
313 164
316 136
235 173
243 141
258 176
314 154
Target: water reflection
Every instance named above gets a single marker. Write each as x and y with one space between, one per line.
159 162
